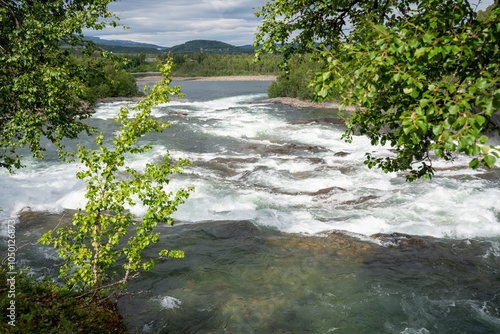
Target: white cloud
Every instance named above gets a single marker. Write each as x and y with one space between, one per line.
168 22
173 22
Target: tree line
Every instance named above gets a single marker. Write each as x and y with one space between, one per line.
107 79
204 64
112 79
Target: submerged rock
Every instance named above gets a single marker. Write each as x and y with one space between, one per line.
323 120
286 149
341 154
402 241
297 103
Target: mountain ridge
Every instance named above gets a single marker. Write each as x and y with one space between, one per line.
189 47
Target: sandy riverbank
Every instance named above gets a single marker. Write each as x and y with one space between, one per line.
154 77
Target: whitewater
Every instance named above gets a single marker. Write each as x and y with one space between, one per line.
270 164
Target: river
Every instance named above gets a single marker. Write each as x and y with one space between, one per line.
288 231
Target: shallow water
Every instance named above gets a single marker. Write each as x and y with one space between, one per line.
237 278
267 181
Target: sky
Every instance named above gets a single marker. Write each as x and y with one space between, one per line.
172 22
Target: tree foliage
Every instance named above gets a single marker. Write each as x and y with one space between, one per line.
109 81
205 64
423 73
41 87
92 246
295 82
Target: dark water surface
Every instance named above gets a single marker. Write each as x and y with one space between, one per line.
237 278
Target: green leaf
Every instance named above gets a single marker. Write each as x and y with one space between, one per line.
423 102
489 161
323 93
474 163
437 129
428 39
422 125
454 109
480 119
415 93
434 51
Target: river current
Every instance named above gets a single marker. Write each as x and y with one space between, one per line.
288 231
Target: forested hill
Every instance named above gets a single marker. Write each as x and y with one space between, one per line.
208 47
117 46
195 46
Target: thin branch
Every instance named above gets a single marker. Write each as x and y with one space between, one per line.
12 12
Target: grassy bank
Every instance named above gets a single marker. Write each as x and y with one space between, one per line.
44 307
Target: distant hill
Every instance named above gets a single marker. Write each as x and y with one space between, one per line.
118 46
106 42
195 46
207 47
248 46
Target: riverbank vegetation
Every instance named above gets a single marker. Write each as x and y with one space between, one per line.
296 81
202 64
41 306
108 80
114 79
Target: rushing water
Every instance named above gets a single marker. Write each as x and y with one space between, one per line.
271 183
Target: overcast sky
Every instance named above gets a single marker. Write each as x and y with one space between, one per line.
173 22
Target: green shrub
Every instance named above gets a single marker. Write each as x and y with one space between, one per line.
41 306
113 82
295 83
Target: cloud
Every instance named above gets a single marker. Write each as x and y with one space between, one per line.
172 22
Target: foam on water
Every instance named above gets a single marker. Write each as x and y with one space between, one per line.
415 331
169 302
301 190
107 111
212 108
41 189
494 250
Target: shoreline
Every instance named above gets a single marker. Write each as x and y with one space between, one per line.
131 99
153 77
297 103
